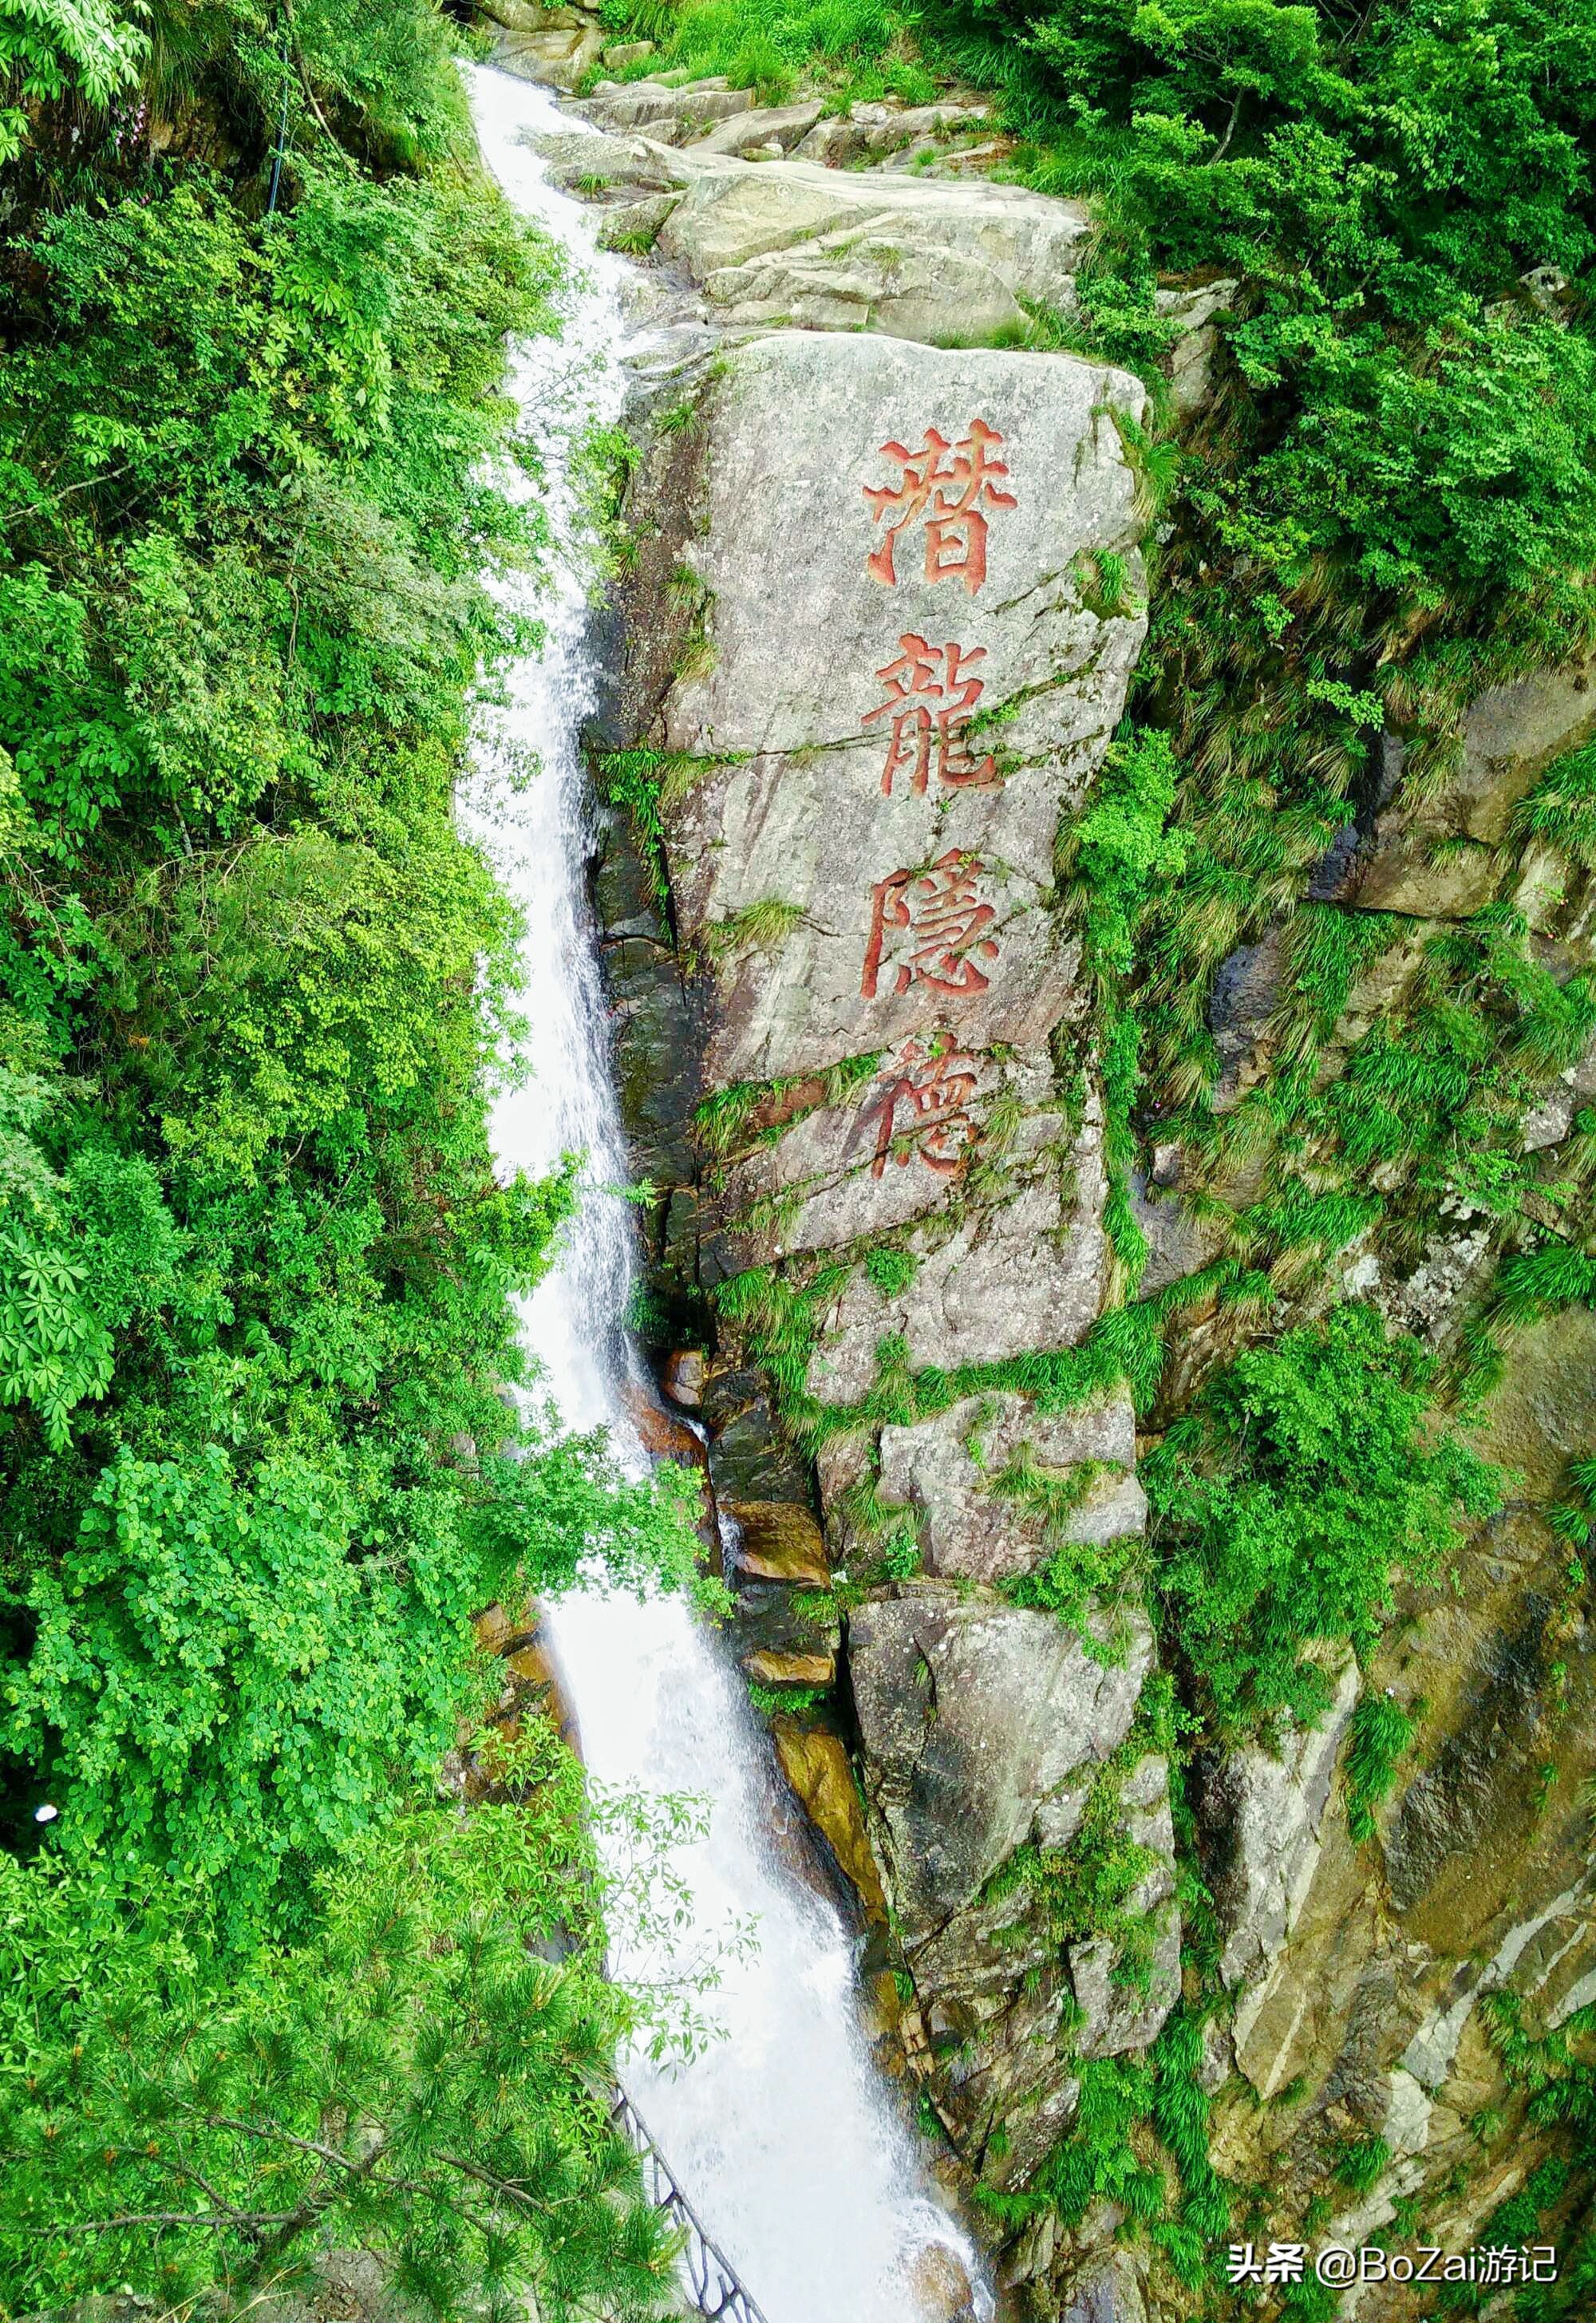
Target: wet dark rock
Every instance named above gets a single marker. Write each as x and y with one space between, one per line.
749 1458
1333 876
772 1618
1500 1747
655 1062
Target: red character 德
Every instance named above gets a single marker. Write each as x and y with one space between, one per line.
929 698
950 486
947 924
935 1088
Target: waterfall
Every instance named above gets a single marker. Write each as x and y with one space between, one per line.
779 2131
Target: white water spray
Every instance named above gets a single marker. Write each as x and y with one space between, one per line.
780 2134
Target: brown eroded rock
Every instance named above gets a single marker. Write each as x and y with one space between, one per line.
780 1542
791 1669
817 1767
682 1377
664 1435
535 1667
493 1628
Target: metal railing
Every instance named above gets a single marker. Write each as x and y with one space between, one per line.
708 2272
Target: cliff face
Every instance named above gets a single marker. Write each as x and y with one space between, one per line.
883 606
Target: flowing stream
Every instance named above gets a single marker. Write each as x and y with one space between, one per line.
778 2132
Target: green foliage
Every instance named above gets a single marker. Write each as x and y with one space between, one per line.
1378 181
768 43
1560 812
1285 1500
1115 855
1098 2157
50 49
1181 2108
1380 1735
892 1271
1120 848
1088 1890
83 1250
257 1319
760 926
1556 2075
417 2079
1544 1279
778 1701
229 1673
727 1117
267 1436
634 780
1074 1573
1362 2162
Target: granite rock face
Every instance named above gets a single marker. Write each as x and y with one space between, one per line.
887 770
976 1721
882 616
951 1472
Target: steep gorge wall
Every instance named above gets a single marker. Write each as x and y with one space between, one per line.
882 609
882 616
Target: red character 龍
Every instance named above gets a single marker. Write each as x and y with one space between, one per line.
930 695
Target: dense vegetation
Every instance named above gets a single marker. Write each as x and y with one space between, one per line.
257 1467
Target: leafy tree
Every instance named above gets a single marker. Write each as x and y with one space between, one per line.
50 49
421 2081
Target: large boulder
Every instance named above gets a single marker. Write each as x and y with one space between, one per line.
947 1472
817 1766
736 211
560 55
1108 2288
868 853
974 1719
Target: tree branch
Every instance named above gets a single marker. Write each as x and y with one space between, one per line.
244 2221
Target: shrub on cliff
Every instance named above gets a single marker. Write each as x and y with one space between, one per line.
1286 1502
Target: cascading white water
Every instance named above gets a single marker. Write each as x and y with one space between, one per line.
779 2132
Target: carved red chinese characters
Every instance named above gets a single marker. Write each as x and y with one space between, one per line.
940 914
922 1107
949 487
930 695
